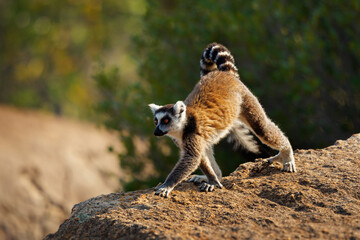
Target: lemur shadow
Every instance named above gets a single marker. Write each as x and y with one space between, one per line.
257 164
260 168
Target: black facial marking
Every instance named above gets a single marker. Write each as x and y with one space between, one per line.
158 132
167 108
164 119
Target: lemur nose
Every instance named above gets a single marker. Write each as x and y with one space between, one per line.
158 132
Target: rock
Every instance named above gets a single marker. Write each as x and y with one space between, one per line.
48 164
258 201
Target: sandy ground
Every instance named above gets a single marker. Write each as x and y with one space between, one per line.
320 201
47 165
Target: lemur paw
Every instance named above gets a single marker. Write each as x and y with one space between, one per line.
197 179
289 167
163 190
287 161
207 187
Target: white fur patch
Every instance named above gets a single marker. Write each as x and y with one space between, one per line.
224 53
212 50
204 54
229 64
220 135
240 134
154 107
159 116
202 65
179 107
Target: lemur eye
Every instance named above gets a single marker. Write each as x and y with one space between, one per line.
166 120
156 122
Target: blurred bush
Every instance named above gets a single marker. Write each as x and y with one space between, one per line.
48 49
300 58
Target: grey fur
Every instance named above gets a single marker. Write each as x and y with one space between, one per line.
241 136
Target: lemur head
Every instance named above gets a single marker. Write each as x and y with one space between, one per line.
169 119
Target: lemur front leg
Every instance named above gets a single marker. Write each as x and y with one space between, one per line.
212 179
212 172
189 161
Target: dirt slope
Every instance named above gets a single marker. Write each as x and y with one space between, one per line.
321 200
47 165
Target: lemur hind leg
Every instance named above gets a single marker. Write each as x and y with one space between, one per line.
254 116
212 172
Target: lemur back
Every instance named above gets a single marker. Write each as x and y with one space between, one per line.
219 105
216 57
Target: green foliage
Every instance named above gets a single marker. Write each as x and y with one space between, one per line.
300 58
123 107
47 48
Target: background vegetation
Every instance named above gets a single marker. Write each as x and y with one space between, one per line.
49 50
300 58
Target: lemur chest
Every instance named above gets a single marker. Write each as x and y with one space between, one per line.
177 138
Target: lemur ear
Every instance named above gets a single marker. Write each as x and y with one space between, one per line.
154 107
179 107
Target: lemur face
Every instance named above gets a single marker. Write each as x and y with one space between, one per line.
168 119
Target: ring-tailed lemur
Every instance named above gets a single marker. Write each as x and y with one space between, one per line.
219 105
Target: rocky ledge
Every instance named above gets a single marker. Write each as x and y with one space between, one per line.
321 200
